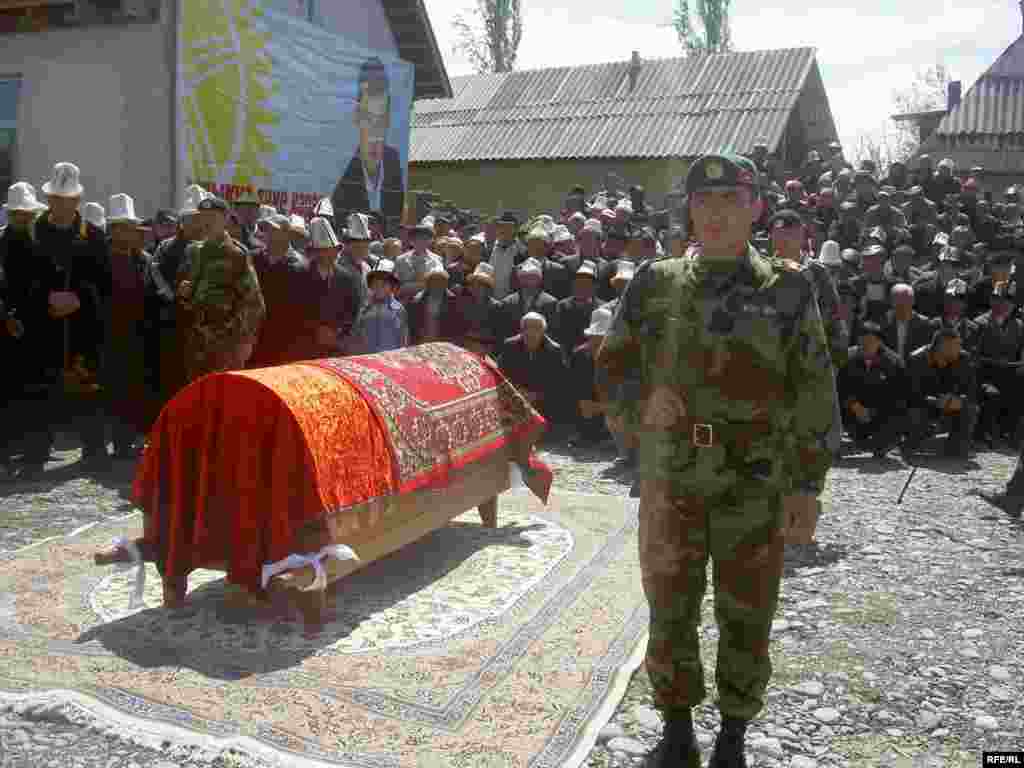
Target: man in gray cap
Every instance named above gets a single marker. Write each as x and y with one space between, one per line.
733 405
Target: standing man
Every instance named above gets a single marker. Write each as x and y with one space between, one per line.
735 405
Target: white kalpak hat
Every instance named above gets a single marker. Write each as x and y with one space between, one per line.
562 234
298 226
266 211
22 197
194 195
321 234
600 322
830 255
531 267
324 208
122 210
95 215
65 181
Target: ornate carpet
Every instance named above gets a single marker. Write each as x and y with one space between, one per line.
471 647
443 408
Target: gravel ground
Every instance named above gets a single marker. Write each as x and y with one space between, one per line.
897 640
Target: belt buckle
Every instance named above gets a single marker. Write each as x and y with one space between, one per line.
703 435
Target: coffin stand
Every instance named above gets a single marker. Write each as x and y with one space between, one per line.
373 527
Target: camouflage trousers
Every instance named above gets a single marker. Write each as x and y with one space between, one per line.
740 531
206 353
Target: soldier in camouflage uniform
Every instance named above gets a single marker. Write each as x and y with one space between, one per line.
735 402
222 293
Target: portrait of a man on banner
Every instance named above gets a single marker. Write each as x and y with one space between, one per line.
373 178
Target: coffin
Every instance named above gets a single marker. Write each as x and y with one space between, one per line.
246 468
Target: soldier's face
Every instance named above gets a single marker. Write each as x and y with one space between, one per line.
723 218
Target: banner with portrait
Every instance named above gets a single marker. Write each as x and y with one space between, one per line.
275 107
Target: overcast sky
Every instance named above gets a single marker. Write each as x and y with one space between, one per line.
864 52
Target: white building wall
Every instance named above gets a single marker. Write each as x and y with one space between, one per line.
102 98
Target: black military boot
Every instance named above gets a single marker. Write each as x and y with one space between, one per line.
678 746
728 752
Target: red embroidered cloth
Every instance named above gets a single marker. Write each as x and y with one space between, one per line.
238 461
443 408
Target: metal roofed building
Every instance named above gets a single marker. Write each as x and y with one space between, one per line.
986 128
525 137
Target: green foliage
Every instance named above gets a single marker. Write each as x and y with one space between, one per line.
489 34
705 29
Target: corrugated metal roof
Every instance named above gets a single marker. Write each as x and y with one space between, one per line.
994 105
678 108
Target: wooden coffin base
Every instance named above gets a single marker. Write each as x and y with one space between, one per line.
409 517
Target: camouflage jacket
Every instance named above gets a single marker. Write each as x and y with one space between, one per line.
227 303
743 347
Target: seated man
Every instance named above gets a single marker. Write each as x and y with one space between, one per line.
873 392
942 393
905 330
1000 340
535 364
589 411
572 315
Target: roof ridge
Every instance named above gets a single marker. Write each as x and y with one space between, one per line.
625 62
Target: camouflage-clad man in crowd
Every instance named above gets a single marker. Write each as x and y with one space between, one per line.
222 293
735 404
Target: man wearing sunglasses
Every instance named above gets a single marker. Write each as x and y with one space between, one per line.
373 179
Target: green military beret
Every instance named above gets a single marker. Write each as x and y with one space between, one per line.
716 171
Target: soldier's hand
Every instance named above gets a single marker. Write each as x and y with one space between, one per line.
664 409
800 517
15 328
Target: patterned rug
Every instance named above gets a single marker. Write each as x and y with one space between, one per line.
472 647
443 407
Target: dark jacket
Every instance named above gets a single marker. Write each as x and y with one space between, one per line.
919 333
571 319
928 383
997 342
77 260
482 320
542 371
281 284
451 324
882 386
513 308
350 195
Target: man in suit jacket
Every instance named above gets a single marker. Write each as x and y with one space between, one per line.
873 392
373 178
905 330
943 391
535 364
572 315
531 297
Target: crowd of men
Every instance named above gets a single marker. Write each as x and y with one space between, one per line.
105 316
